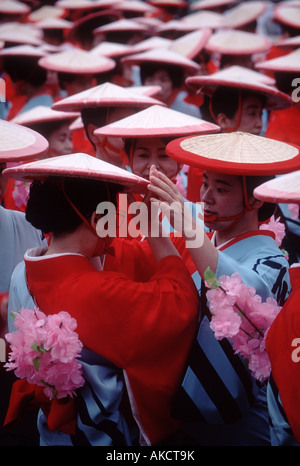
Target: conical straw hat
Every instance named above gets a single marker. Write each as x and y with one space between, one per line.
289 63
83 4
285 189
121 25
42 114
135 6
236 153
244 13
54 23
157 121
19 33
236 42
160 56
191 44
204 19
291 42
112 49
238 77
18 143
77 61
78 165
289 15
154 42
177 26
23 51
13 7
167 3
210 4
104 95
46 12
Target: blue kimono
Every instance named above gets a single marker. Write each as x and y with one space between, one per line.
219 402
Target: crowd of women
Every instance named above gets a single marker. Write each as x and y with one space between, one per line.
190 111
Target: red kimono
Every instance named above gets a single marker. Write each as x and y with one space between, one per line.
283 350
144 326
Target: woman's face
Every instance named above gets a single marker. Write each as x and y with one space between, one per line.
251 117
60 141
161 78
152 151
222 196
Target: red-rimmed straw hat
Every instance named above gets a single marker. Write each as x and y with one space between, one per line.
46 12
112 49
120 26
18 143
105 95
191 44
157 121
43 114
19 33
236 153
161 56
136 7
234 42
238 77
282 189
204 19
88 23
174 25
289 63
291 42
154 42
244 13
288 15
54 23
78 165
77 61
23 51
83 5
13 7
169 3
211 4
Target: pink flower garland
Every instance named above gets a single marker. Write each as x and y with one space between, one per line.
239 314
276 227
44 350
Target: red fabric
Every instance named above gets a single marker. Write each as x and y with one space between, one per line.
285 371
9 201
25 397
284 125
81 142
194 183
144 328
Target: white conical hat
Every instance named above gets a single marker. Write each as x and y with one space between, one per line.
289 63
104 95
285 189
204 19
238 77
46 12
112 49
288 14
210 4
161 56
19 33
244 13
121 25
234 42
191 44
157 121
77 165
236 153
18 143
77 61
42 114
13 7
290 42
153 42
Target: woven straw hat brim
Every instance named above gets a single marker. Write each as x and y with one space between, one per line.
244 13
46 12
236 42
77 61
289 15
121 25
160 56
167 3
157 121
112 49
78 165
236 73
236 153
275 99
283 189
190 45
289 63
82 4
151 43
291 42
54 23
14 7
43 114
18 143
23 51
210 4
204 19
136 6
104 95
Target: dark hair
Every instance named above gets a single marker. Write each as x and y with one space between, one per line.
284 81
96 116
49 210
46 128
267 209
23 68
176 73
226 100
